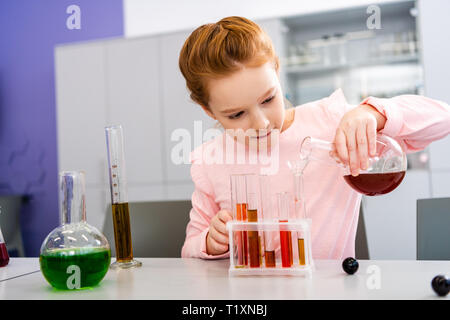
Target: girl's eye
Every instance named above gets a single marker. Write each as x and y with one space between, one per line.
268 100
237 115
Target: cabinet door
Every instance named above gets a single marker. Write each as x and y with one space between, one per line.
433 26
81 110
391 219
178 111
133 98
276 30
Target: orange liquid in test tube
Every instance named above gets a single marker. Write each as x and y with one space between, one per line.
253 241
241 214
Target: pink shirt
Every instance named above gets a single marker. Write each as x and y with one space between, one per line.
414 121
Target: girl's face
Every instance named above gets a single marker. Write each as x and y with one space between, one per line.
250 98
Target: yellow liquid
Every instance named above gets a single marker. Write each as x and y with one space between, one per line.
301 252
122 232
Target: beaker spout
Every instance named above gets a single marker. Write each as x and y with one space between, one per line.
318 150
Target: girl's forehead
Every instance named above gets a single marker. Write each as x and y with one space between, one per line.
243 87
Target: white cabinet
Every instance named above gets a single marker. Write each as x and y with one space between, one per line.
134 100
97 200
391 219
433 27
81 109
440 184
276 30
440 155
179 112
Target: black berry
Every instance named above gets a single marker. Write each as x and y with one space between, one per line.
440 285
350 265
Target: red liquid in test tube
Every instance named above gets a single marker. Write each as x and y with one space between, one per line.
285 236
4 256
239 207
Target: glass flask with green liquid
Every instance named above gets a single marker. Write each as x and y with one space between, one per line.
74 255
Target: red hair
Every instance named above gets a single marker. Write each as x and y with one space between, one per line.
218 49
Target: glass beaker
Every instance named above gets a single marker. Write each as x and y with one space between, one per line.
119 199
384 173
4 256
75 254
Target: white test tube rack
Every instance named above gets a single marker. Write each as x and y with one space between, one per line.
273 228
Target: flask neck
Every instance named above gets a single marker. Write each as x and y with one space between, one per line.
72 197
318 150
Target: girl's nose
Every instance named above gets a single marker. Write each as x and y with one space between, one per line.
260 121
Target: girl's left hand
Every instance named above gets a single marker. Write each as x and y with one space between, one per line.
355 138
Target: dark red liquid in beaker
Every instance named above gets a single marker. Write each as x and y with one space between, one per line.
4 256
372 184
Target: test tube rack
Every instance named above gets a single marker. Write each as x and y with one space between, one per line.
273 229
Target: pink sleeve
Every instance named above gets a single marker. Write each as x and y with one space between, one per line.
204 208
334 108
414 121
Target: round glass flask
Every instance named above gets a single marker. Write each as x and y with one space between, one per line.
74 255
384 173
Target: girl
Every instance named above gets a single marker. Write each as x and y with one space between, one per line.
232 72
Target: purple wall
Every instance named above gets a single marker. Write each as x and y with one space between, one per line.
29 30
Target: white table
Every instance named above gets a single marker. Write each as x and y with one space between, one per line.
170 278
18 267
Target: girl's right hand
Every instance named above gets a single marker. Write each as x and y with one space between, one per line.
217 238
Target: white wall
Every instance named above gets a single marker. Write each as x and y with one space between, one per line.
144 17
433 20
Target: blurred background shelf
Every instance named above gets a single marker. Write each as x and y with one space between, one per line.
305 70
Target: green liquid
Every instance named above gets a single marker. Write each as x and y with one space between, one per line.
76 267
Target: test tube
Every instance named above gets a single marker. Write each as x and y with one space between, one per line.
119 199
300 212
254 241
239 207
267 215
285 236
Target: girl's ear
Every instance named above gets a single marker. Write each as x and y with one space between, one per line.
208 112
